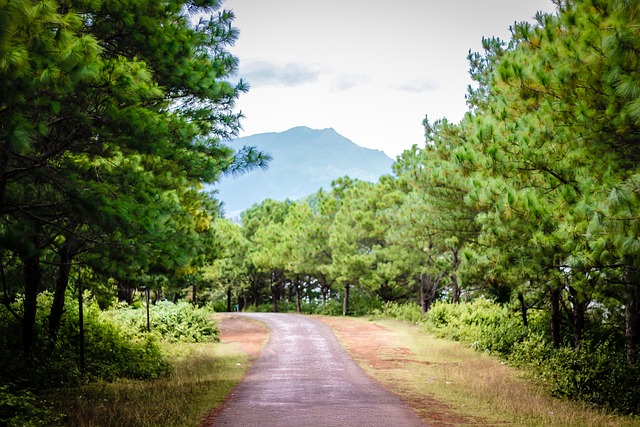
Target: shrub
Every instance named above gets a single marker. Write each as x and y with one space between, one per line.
596 373
180 322
20 408
110 352
409 312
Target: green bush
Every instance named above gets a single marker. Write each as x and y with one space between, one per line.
409 312
179 322
361 303
20 408
596 373
110 351
332 307
484 325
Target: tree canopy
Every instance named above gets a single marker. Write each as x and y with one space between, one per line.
112 119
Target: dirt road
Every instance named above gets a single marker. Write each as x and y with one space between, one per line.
303 377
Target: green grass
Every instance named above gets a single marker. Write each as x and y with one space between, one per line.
203 376
477 388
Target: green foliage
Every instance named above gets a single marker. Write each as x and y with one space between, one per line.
362 303
22 409
407 311
333 307
484 325
179 322
596 373
110 351
115 114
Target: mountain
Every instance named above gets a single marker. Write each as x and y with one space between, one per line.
304 160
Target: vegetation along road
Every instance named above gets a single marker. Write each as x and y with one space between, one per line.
304 377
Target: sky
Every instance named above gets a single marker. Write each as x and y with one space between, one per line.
369 69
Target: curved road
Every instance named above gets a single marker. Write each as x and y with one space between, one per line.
303 377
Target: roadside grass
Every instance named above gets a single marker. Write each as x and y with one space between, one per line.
203 376
473 388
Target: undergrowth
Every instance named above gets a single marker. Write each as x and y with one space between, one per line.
597 372
116 346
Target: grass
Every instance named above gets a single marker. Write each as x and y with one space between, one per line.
450 384
203 376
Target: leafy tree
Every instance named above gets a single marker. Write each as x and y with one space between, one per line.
353 239
112 118
263 228
436 223
550 152
229 268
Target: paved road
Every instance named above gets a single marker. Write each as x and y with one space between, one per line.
303 377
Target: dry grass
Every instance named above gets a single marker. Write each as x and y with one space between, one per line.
450 384
204 375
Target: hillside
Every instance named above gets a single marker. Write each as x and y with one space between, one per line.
304 160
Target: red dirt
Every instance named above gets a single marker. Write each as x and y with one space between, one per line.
249 334
379 348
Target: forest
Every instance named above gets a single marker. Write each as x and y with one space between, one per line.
516 230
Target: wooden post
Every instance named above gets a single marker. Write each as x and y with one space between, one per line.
148 317
81 321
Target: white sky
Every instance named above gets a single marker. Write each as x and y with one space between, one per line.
370 69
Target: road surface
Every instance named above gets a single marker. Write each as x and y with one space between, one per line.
303 377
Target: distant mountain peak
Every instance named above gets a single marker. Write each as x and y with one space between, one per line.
304 160
308 129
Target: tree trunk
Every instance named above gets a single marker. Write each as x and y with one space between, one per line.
345 301
157 296
556 338
32 279
275 292
423 300
125 293
275 298
632 320
255 291
81 325
428 290
431 292
147 293
523 310
62 282
194 295
455 289
291 291
578 308
298 303
323 291
228 299
4 167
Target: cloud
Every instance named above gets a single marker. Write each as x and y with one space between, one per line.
347 81
262 73
417 86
